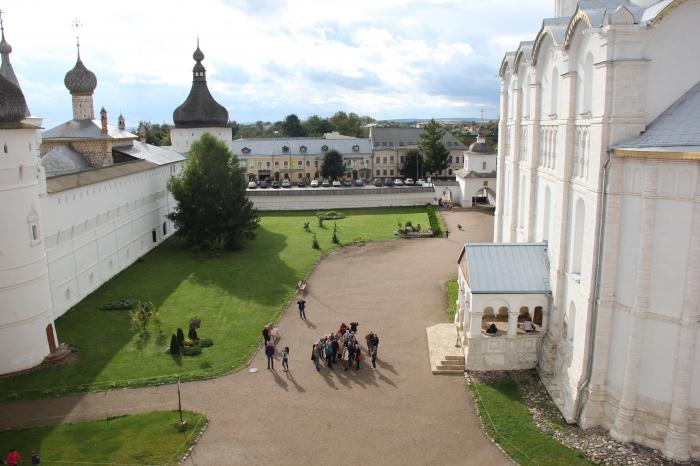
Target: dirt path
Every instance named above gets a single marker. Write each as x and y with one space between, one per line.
399 414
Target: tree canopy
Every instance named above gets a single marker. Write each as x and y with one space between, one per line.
413 166
291 126
317 126
348 124
434 151
213 209
156 134
332 165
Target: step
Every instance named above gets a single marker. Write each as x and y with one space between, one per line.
448 371
454 364
450 367
451 357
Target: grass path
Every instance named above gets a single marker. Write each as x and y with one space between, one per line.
235 294
143 439
507 420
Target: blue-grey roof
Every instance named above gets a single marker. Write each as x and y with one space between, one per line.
84 129
155 154
390 138
507 268
62 160
314 146
677 128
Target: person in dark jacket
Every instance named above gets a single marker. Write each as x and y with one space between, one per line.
266 334
35 458
336 347
314 357
270 352
358 356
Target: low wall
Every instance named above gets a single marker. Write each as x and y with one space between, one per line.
335 198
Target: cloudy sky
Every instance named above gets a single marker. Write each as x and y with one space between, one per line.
268 58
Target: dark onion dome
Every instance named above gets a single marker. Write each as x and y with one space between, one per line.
80 80
200 109
481 146
13 107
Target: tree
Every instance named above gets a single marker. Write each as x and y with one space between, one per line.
317 126
291 126
213 210
351 124
156 134
413 166
434 151
332 165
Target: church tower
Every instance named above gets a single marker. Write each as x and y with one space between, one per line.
27 332
81 83
200 113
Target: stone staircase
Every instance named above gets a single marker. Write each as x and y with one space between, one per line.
450 365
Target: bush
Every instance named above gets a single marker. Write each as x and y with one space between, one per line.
192 334
335 239
205 343
330 215
191 350
188 342
314 243
120 305
180 337
174 346
434 221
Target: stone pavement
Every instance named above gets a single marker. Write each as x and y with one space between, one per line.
398 414
441 346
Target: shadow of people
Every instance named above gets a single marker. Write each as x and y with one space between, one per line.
291 378
279 380
387 366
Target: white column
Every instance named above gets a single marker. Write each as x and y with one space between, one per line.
676 444
623 426
475 323
513 322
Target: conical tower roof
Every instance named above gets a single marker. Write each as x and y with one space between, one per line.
200 109
12 98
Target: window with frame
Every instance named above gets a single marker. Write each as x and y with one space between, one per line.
285 148
401 159
300 163
286 164
324 148
308 163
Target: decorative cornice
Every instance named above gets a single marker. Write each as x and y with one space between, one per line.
580 15
655 154
665 12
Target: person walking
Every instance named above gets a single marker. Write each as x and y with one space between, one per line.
302 307
329 354
351 351
358 356
13 457
266 334
447 233
346 357
336 347
35 458
314 357
285 359
270 352
373 357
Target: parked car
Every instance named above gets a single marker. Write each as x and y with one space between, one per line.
326 184
420 182
388 182
263 184
301 183
336 183
314 183
358 182
398 182
378 182
275 184
286 183
347 183
409 182
252 185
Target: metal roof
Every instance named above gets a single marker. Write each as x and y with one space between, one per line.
314 146
62 160
507 268
96 175
677 128
84 129
400 137
155 154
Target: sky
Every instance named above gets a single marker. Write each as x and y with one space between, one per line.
266 59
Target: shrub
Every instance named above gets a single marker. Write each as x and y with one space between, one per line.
335 239
188 342
174 346
320 222
330 215
314 243
434 221
180 337
120 305
191 350
205 343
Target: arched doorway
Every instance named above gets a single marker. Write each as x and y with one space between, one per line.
51 337
537 318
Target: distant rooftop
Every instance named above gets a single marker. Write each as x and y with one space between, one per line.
383 137
84 129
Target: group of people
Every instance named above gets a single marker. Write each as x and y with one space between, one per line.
270 335
342 347
14 458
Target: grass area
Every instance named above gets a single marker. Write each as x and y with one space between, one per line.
234 293
151 438
452 290
508 421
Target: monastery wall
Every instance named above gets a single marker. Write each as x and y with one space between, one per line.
93 232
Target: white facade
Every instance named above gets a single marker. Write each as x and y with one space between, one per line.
587 82
26 321
477 178
182 138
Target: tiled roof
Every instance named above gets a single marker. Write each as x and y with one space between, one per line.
507 268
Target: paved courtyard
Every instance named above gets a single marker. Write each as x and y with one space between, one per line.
399 414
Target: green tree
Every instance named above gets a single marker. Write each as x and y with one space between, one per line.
291 126
317 126
332 165
434 151
413 166
156 134
213 209
351 124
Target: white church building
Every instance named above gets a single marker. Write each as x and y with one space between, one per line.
599 166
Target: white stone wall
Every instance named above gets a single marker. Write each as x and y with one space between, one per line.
96 231
25 302
556 129
333 198
182 138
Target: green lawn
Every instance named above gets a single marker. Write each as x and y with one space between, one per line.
151 438
235 294
452 290
510 424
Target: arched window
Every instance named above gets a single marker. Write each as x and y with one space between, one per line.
577 243
554 84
